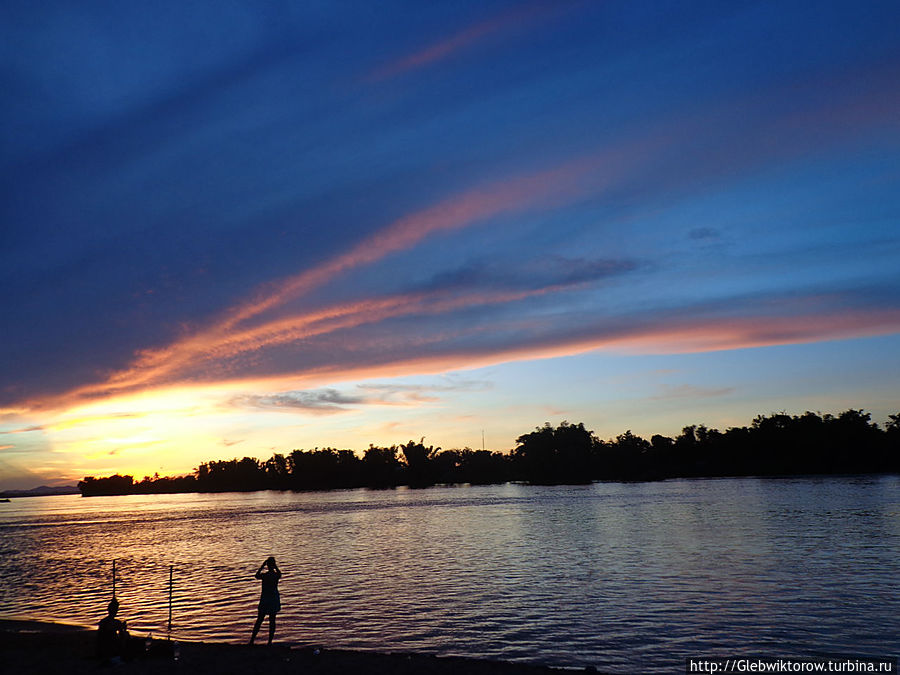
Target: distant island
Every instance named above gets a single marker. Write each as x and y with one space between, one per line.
774 445
41 491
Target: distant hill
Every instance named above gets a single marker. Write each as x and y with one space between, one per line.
42 491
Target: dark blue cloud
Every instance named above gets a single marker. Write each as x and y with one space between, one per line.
540 272
321 402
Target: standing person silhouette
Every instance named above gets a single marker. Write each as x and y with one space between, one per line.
269 599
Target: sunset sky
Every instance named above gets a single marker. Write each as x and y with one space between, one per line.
237 228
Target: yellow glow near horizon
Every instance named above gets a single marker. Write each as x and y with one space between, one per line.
139 434
170 431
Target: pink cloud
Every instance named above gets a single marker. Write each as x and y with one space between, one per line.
249 328
647 335
517 194
448 46
708 335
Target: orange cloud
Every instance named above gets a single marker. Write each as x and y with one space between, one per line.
212 351
746 332
292 329
665 336
459 41
194 414
226 337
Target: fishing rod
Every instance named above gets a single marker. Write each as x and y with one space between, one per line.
171 571
171 591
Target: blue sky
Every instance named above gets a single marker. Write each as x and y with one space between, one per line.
233 229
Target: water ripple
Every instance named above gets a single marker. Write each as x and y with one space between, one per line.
626 577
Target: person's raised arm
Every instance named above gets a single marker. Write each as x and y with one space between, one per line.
273 566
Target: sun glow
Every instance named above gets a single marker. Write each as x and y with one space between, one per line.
171 430
164 430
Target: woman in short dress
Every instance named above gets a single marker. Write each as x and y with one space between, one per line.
269 599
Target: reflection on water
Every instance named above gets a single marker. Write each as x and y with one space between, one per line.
623 576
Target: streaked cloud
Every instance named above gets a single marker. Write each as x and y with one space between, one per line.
226 337
322 402
334 212
525 16
704 233
328 400
262 320
355 355
425 392
23 430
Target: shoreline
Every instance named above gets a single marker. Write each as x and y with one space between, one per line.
46 647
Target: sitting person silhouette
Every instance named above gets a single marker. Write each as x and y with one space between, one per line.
112 635
269 599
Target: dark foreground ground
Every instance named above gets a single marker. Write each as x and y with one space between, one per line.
34 647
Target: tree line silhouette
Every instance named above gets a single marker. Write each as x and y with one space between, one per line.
773 445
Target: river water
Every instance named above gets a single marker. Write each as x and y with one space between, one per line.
628 577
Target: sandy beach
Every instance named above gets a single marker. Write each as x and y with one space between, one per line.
38 647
